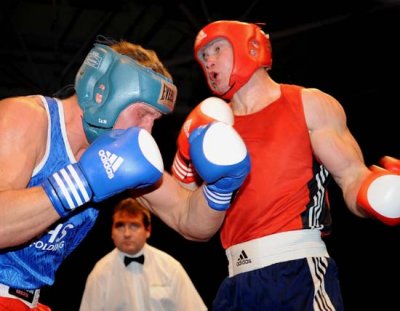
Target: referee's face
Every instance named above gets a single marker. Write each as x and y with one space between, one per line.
128 232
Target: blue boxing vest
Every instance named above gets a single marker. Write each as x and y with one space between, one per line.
34 265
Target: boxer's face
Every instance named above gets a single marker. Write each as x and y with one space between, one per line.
137 114
217 58
128 232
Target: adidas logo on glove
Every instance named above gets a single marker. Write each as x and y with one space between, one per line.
111 162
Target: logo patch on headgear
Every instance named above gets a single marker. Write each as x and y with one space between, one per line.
93 59
201 35
167 95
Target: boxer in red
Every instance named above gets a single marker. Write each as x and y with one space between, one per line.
298 140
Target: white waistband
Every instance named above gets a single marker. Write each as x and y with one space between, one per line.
28 296
279 247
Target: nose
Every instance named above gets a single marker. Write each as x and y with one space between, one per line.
209 64
208 60
127 231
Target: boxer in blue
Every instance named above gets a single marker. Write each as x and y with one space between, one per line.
61 156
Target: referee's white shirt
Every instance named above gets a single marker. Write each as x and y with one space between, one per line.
161 283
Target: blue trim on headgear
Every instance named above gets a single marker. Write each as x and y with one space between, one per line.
108 82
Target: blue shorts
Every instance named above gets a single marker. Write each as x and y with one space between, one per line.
296 285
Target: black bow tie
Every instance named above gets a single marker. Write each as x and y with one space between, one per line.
139 259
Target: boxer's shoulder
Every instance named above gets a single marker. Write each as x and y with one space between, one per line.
23 106
23 121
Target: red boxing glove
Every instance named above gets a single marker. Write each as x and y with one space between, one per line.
391 164
209 110
379 194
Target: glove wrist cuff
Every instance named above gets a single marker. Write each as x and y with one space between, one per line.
217 200
183 170
67 189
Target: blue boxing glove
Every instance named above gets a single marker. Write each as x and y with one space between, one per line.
114 162
221 159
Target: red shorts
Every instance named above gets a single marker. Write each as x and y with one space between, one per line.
12 304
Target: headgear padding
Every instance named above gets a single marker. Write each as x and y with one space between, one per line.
108 82
251 50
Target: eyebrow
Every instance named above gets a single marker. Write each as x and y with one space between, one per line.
121 223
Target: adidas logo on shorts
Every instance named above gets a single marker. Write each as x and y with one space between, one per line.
111 162
243 259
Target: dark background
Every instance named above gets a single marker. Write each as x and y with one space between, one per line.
350 49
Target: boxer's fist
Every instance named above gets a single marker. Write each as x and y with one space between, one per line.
379 194
221 159
209 110
114 162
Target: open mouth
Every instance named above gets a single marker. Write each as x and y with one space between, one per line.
213 78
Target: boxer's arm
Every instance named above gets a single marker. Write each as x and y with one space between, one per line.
185 211
24 213
367 192
334 145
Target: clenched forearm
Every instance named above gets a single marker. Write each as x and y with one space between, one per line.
24 214
185 211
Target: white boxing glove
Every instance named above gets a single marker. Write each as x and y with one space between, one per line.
379 194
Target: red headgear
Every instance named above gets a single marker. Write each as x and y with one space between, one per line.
251 49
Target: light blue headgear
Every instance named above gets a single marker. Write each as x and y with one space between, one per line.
108 82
